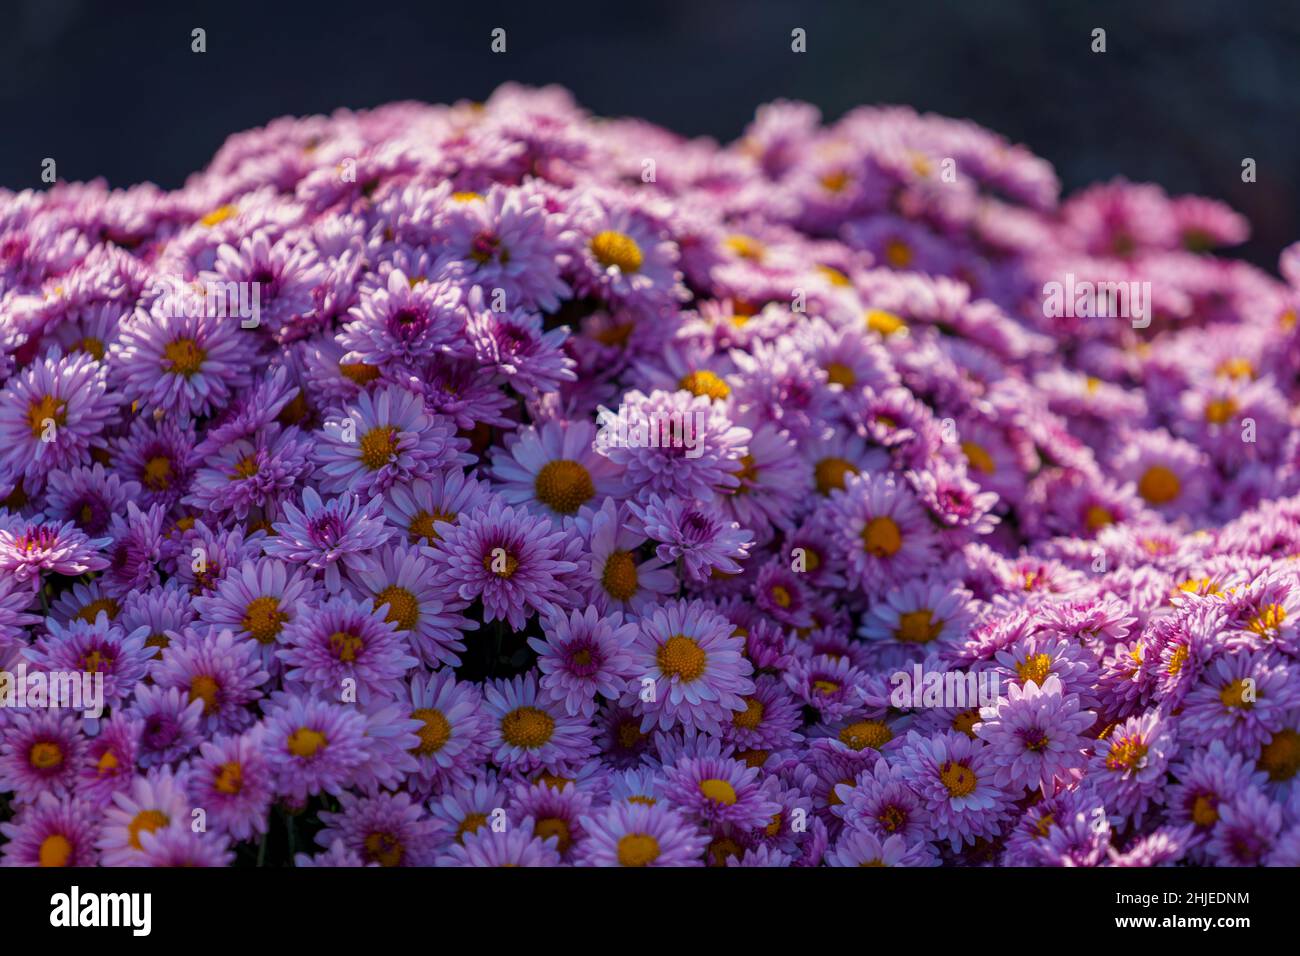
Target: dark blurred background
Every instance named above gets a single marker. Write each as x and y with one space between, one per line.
1185 91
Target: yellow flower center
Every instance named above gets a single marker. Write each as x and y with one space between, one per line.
263 619
898 253
403 608
838 373
184 357
564 486
378 447
295 412
750 717
958 778
358 372
681 657
619 577
218 215
747 473
866 733
918 627
527 727
833 275
884 323
146 821
1220 410
345 646
831 474
1176 660
835 181
637 849
704 382
746 247
719 791
1036 668
1097 517
434 734
230 778
501 563
305 742
1159 485
470 824
158 473
1280 757
780 596
96 659
1236 367
107 763
1199 586
1205 810
881 537
553 780
554 827
55 850
45 755
1126 754
91 610
892 818
421 526
616 249
965 722
1234 695
49 409
204 688
383 848
1268 620
244 468
978 457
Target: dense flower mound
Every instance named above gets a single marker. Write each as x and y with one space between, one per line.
492 484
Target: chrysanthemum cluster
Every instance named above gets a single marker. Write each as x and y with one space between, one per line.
492 484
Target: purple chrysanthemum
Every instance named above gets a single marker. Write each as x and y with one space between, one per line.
954 776
510 560
385 438
688 668
1036 736
325 535
343 644
584 656
30 546
637 834
52 415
